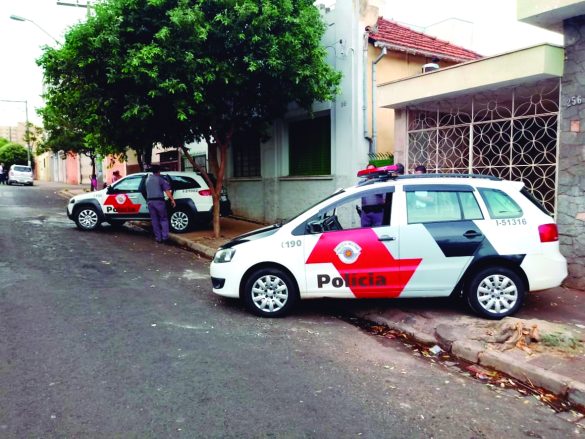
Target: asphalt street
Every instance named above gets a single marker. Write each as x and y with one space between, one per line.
107 334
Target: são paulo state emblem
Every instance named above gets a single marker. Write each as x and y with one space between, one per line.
348 251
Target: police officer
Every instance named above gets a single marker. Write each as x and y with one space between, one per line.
156 187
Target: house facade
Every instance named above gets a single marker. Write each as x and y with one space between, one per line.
517 115
306 158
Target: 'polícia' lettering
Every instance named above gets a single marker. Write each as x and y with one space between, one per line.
351 280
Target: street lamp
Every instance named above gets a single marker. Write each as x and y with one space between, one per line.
26 127
19 18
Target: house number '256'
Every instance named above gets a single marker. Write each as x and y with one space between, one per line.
574 100
291 244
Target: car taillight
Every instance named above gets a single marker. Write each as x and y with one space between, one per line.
205 192
548 233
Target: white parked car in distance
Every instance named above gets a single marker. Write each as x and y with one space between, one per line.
20 174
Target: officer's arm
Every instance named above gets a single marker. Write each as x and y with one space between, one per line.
170 195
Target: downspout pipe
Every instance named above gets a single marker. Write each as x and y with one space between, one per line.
365 88
373 147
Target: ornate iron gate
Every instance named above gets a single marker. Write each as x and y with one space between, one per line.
510 133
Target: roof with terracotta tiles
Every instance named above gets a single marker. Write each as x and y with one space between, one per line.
403 39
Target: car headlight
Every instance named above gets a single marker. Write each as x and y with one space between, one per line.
224 255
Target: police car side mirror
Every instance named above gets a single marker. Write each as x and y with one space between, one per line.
109 190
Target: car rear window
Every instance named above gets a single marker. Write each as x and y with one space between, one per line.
180 182
500 205
22 169
534 201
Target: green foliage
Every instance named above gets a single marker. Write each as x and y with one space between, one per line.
561 341
3 141
141 72
144 71
13 154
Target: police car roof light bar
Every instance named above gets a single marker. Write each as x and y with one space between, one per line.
384 173
381 170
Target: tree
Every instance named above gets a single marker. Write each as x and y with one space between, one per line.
142 72
13 154
245 62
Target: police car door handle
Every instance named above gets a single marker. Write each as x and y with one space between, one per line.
472 234
386 238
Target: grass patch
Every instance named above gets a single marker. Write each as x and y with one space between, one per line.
561 341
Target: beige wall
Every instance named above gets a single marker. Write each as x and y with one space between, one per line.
394 65
43 165
549 13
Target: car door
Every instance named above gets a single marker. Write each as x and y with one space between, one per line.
125 199
442 229
350 255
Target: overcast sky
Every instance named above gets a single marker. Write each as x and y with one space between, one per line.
486 27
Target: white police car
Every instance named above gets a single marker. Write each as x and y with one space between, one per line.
431 235
125 200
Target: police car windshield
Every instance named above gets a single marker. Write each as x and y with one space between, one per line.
285 221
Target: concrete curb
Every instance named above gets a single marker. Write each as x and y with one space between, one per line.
198 248
474 352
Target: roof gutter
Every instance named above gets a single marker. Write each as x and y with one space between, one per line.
412 51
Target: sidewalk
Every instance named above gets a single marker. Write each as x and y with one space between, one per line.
556 362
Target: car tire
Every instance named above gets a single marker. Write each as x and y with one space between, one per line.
270 292
180 220
87 218
495 292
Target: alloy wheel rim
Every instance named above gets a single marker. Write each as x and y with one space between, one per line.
497 294
88 218
179 220
269 293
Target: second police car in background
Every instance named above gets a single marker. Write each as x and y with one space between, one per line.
437 235
126 200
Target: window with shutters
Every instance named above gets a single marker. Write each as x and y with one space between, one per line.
310 146
246 155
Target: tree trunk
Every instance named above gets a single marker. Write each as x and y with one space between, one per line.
140 162
215 188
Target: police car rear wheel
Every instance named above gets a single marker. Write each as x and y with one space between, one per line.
270 292
86 218
180 221
495 292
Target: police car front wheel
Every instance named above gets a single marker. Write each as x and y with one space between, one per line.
270 292
87 218
495 292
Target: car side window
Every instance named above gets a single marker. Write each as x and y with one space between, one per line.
128 184
500 205
434 206
367 209
180 182
469 206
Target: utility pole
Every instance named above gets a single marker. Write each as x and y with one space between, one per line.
86 5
